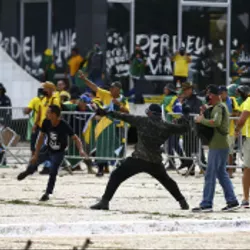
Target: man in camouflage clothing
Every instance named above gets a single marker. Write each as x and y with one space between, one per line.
152 133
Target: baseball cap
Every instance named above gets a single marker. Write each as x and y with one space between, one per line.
155 109
170 87
223 88
187 85
49 85
84 98
213 89
65 93
116 85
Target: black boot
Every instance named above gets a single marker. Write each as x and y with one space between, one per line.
101 205
185 164
45 197
45 171
22 175
184 205
100 172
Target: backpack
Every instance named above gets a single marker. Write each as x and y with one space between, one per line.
205 133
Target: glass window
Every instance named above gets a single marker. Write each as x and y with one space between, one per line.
240 32
205 41
118 42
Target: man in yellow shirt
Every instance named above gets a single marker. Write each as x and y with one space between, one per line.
181 61
112 100
233 109
74 64
111 97
48 99
244 120
33 107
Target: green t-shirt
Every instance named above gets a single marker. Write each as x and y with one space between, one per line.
137 67
220 122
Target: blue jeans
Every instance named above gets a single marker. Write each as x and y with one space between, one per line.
216 168
56 159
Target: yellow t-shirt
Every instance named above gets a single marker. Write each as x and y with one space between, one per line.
57 94
45 103
107 98
246 107
232 122
181 66
34 106
74 64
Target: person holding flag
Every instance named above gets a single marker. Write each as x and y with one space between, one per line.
106 136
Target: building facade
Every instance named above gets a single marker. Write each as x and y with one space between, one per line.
29 27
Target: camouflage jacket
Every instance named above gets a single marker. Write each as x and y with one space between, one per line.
152 133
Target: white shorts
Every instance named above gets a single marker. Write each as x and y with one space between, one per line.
231 140
246 152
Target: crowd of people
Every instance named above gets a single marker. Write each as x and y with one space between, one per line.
235 98
103 132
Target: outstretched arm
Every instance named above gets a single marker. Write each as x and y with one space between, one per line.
90 84
79 146
170 128
131 119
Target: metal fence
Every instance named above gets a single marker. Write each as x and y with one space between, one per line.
189 150
103 139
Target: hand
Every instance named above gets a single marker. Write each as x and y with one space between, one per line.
82 75
83 154
103 76
203 108
101 112
34 128
34 159
237 132
199 118
94 106
98 118
116 102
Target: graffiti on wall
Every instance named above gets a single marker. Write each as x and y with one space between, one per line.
117 54
62 43
160 48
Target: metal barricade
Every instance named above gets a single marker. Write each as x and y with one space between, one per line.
184 147
189 150
13 136
103 140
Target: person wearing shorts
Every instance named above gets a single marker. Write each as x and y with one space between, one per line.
244 120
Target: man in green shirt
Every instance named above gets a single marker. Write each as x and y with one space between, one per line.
217 155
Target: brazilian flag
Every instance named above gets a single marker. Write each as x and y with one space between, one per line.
109 136
48 65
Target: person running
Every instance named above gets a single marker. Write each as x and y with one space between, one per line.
152 133
57 132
